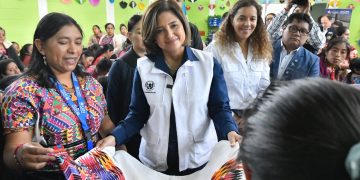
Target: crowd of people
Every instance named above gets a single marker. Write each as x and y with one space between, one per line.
279 86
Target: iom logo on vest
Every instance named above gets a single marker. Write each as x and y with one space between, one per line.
149 85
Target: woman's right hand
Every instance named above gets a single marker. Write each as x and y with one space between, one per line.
34 156
108 141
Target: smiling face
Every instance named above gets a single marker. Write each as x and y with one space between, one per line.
12 69
62 50
170 33
244 22
336 54
293 40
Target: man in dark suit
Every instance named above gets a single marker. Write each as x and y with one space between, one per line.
290 59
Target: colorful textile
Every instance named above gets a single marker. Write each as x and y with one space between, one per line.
231 170
95 164
222 165
59 124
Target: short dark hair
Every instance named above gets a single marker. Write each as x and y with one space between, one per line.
133 21
47 27
103 66
341 30
149 23
327 15
299 17
107 24
302 129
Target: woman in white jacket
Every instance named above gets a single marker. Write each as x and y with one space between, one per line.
179 101
244 51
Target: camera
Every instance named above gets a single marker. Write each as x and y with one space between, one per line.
301 2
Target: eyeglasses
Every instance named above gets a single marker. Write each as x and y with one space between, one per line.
295 29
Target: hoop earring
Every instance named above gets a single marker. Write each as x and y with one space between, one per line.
44 57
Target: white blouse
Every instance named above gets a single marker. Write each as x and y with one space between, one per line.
245 79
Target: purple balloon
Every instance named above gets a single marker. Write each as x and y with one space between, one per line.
94 2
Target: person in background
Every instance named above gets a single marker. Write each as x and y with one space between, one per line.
179 117
8 67
336 25
326 26
7 50
316 39
268 18
25 54
102 68
281 141
123 30
343 31
290 59
243 49
353 77
86 60
335 52
95 38
16 47
121 81
105 51
94 49
43 94
116 40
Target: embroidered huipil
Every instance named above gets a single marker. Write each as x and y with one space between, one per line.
59 124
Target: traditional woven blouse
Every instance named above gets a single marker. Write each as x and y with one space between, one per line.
59 125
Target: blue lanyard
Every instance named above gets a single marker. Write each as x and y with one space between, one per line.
81 111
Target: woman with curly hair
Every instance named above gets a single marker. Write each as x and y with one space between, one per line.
243 48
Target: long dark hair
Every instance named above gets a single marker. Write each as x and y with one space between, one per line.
302 129
335 41
48 26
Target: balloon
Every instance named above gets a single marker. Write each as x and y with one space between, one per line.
66 1
111 1
94 2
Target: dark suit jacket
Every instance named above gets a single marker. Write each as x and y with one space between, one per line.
303 64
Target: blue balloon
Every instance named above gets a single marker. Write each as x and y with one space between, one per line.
112 1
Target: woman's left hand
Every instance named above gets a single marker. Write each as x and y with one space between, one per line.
233 137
